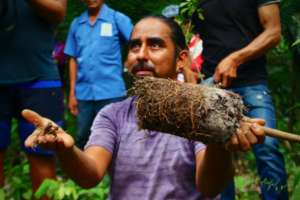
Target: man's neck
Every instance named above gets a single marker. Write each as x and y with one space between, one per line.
93 13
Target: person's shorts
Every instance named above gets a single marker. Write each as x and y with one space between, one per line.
43 97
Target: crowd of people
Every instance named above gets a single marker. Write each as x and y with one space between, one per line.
142 164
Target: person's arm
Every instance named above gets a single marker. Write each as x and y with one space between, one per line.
86 168
72 76
270 20
214 167
53 11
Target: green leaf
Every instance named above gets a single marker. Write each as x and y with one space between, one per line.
240 182
296 193
27 195
2 194
183 4
297 42
60 194
44 188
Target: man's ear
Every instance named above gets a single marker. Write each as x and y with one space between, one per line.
183 60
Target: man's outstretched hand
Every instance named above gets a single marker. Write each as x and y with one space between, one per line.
47 133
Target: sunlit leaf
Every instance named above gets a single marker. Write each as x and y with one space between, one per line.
297 42
2 194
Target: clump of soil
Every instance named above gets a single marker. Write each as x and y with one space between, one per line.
196 112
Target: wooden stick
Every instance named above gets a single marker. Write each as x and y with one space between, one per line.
281 134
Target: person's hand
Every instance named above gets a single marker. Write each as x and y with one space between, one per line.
47 134
73 105
249 134
189 75
226 71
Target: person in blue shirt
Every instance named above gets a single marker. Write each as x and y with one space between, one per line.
29 76
94 46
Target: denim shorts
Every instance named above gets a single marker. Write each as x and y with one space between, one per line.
44 97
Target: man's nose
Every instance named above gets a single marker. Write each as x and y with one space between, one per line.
143 53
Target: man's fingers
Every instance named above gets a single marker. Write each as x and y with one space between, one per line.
259 133
259 121
217 77
256 129
243 141
252 139
224 81
32 117
73 110
66 139
233 144
30 141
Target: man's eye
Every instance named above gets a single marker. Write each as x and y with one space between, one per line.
134 47
155 46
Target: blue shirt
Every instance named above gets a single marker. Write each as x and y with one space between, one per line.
26 49
97 49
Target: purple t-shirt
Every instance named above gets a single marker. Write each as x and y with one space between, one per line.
146 164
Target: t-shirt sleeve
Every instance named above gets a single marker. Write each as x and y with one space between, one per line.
198 146
124 25
103 130
266 2
71 44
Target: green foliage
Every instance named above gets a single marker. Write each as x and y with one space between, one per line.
297 42
190 7
137 9
75 8
18 186
296 194
2 194
246 187
290 18
68 190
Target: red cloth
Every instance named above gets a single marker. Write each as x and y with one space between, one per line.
196 47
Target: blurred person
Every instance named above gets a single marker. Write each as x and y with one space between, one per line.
28 76
95 65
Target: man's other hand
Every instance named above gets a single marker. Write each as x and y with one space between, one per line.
249 134
47 133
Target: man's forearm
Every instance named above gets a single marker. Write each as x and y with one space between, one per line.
52 11
215 171
80 167
258 47
72 75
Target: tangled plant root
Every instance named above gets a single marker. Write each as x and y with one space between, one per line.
195 112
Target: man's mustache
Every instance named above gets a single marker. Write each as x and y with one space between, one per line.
142 66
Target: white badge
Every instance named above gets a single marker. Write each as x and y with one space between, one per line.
106 29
